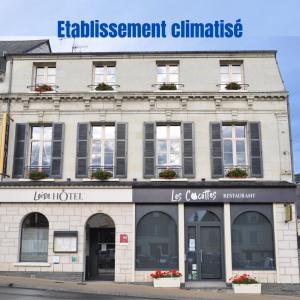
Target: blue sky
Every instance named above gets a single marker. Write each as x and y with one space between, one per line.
269 24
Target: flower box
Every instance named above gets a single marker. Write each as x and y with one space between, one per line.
166 282
254 288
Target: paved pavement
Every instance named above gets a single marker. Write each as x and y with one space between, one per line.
11 293
44 288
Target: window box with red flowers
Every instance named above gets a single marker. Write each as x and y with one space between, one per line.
166 278
41 88
244 284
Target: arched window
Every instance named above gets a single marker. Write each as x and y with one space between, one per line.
34 240
156 242
252 242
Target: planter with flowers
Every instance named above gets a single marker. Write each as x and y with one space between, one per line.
101 175
102 86
43 88
168 87
245 284
37 175
169 278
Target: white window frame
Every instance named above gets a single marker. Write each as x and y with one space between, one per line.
230 73
105 74
46 75
234 140
41 141
168 73
168 140
102 141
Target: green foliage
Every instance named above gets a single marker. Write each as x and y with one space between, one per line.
102 175
237 173
103 87
168 86
168 174
37 175
233 86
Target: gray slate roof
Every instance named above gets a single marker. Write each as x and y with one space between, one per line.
21 47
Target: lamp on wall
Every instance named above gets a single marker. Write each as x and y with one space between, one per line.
288 212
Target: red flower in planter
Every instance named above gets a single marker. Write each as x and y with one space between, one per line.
243 279
165 274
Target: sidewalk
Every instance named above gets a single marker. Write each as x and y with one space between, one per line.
133 290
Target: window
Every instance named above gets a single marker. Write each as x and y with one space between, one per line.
168 73
34 240
40 146
105 74
255 251
234 146
230 73
156 242
103 145
45 75
168 145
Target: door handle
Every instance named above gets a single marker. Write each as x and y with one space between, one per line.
200 255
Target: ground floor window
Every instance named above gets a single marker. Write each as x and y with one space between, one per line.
34 240
156 242
252 242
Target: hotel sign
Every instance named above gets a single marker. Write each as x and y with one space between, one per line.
217 195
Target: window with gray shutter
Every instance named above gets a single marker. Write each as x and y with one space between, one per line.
256 165
216 150
82 153
57 150
121 150
188 149
149 149
21 138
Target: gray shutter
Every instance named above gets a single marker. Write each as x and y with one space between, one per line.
57 150
20 152
149 149
188 149
255 157
82 152
216 145
121 150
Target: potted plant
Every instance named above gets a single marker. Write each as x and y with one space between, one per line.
37 175
168 174
237 173
102 175
43 88
102 86
233 86
168 86
244 284
169 278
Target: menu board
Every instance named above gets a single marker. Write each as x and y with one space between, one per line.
65 242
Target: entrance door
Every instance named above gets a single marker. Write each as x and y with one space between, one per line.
100 256
210 260
204 250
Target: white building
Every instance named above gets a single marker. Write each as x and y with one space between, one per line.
201 116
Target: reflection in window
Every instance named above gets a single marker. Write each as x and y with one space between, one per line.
45 75
34 243
103 145
203 215
41 144
230 73
252 242
167 73
105 74
156 242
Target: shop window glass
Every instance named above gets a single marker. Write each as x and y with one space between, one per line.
34 243
252 242
156 242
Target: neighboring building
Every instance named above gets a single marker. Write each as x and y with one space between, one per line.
135 115
20 47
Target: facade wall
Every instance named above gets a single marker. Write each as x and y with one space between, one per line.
67 217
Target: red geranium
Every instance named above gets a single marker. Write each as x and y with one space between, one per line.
165 274
243 279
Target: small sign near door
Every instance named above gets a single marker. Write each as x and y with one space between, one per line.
123 238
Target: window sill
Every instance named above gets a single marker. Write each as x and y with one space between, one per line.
39 93
237 179
107 91
233 91
168 91
175 179
31 264
112 179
